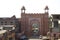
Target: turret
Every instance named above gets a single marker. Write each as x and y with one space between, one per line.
46 9
23 9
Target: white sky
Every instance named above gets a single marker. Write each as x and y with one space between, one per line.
9 8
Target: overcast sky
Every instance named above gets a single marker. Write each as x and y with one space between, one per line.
9 8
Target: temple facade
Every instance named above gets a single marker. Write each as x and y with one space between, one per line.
34 24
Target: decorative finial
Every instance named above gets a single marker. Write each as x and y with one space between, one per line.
23 8
46 8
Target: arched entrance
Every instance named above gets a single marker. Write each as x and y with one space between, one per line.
34 26
35 29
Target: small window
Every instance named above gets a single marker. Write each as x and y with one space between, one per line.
55 23
54 35
11 23
57 17
5 22
1 22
